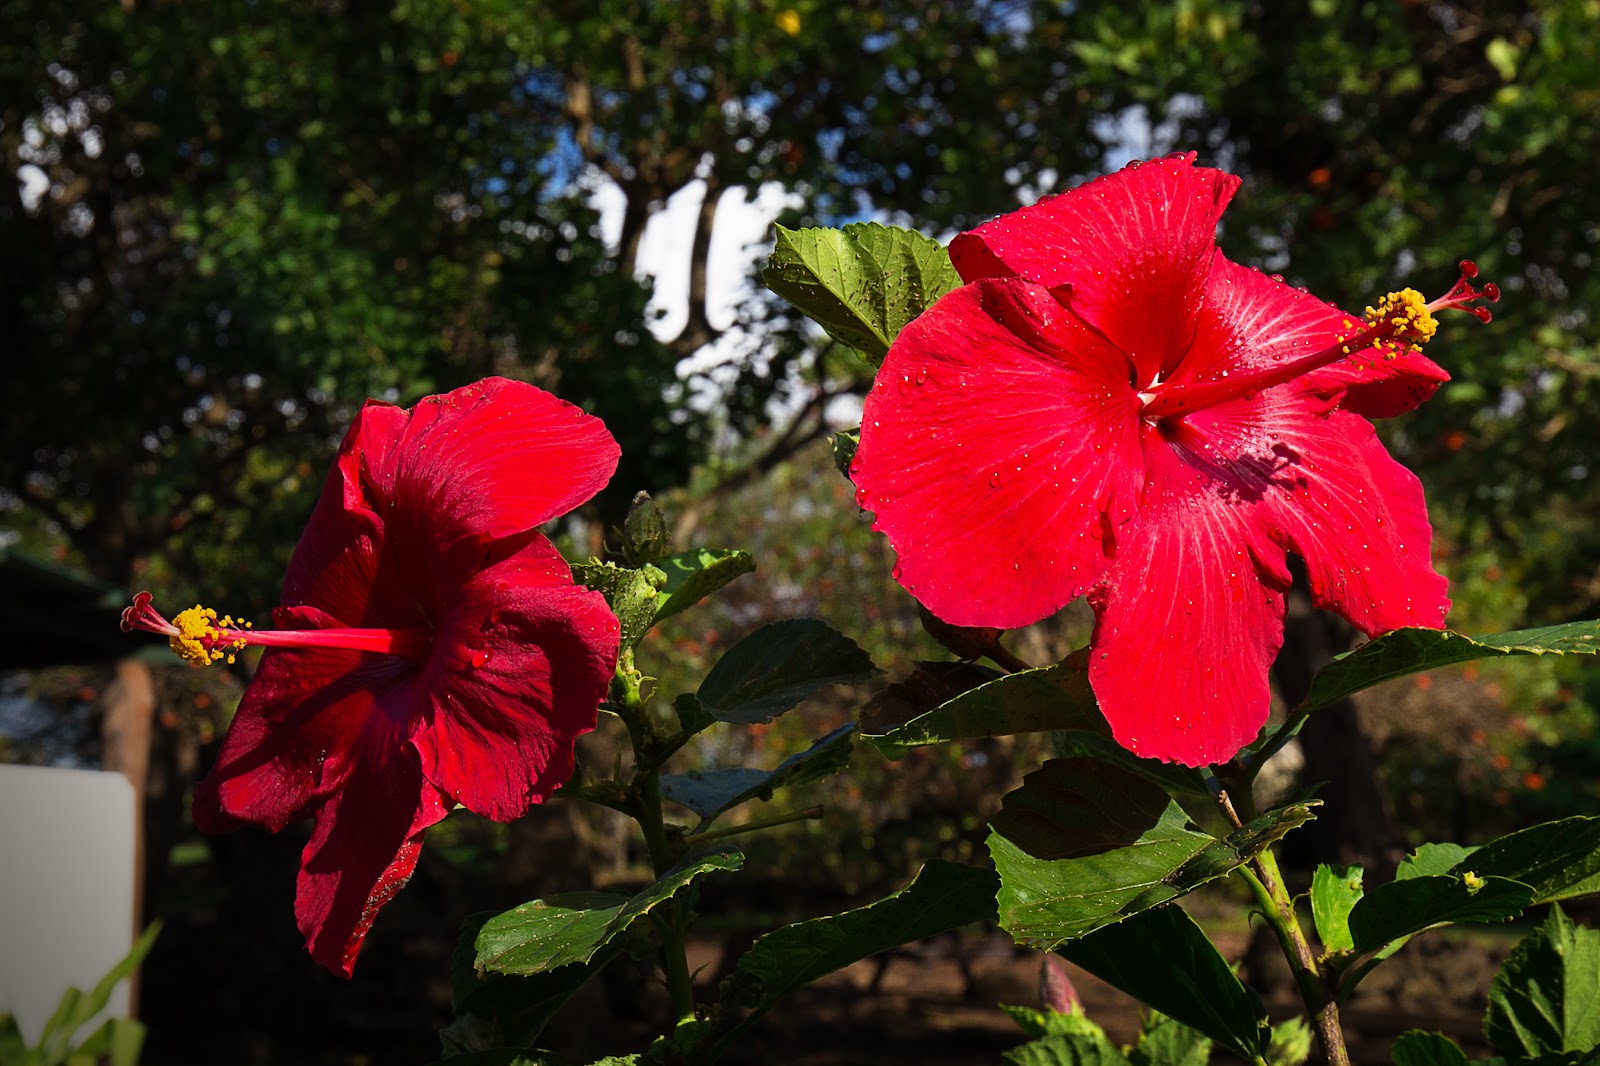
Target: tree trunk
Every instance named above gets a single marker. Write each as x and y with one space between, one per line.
130 709
1354 825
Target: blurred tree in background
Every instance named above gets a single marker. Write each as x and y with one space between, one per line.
235 221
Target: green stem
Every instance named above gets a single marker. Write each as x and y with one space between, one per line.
627 702
1277 907
809 814
668 918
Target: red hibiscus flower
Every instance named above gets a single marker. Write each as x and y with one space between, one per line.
1111 407
431 648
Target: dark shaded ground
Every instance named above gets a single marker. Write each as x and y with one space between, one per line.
230 983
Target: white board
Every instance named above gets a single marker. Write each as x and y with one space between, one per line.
66 887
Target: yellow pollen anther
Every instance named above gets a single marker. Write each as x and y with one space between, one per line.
1408 313
201 637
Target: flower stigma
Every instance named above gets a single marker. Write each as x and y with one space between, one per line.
201 638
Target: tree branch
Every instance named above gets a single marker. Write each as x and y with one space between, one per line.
797 435
698 332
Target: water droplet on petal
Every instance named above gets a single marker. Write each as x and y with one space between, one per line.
479 658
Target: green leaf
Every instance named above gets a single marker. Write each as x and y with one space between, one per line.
545 935
1068 1049
632 594
708 793
1061 1037
1558 860
1546 998
1334 891
1431 859
694 575
1036 1022
55 1039
1290 1044
1030 701
1417 1048
943 896
845 443
494 1011
1163 959
1165 1041
116 1042
13 1052
862 283
1083 844
1401 908
777 667
692 718
76 1007
1409 651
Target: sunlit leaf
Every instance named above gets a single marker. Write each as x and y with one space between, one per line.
862 283
1335 890
1163 959
1546 998
1558 860
1409 651
694 575
1083 844
545 935
1401 908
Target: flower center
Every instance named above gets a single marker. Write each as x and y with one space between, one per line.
1400 324
202 638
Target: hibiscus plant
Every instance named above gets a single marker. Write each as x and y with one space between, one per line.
1082 398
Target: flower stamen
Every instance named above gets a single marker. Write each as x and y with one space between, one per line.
1400 324
201 638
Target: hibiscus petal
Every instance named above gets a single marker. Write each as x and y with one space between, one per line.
437 493
1250 322
495 459
1379 384
1189 618
1134 246
362 851
1359 520
334 562
303 727
1000 432
521 662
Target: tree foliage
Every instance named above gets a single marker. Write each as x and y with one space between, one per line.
236 221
